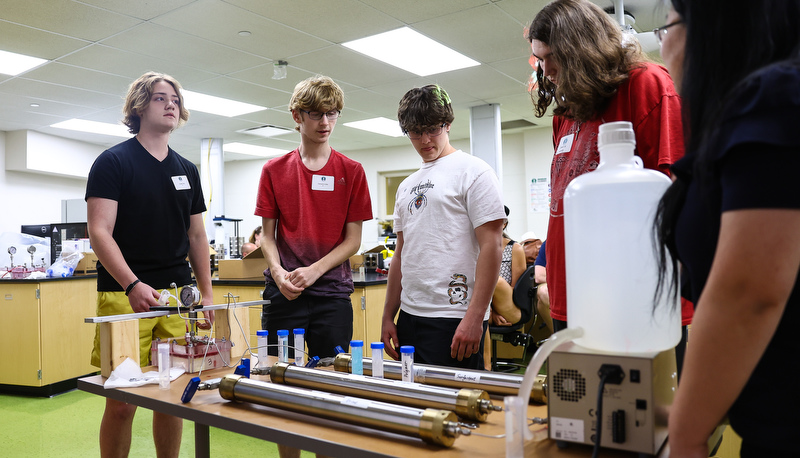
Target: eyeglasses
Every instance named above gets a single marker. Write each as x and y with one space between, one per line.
659 32
316 115
431 131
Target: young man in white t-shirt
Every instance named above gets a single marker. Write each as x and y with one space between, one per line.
449 219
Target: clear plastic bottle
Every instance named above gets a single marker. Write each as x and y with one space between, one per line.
407 362
377 359
610 259
357 355
283 345
299 346
262 336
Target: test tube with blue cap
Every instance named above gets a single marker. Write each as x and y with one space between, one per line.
377 359
357 355
299 346
261 338
407 362
283 345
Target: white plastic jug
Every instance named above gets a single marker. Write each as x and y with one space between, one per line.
610 258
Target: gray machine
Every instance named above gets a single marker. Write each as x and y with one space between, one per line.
636 397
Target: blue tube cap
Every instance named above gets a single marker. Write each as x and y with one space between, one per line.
407 349
376 345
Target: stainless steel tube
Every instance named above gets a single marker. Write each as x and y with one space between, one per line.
491 382
465 402
434 426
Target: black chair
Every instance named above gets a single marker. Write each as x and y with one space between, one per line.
524 297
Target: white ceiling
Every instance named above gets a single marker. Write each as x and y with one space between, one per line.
96 48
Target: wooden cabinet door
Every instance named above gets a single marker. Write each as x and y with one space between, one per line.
20 361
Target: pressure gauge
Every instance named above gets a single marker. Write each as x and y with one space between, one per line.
190 296
31 249
12 250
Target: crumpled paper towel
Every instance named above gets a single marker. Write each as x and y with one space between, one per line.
129 374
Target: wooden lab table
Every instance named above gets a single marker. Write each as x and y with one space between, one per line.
318 435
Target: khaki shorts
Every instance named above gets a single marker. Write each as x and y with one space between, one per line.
116 303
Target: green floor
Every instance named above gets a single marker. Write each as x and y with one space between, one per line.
67 425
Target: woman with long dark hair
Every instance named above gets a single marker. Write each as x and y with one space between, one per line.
731 220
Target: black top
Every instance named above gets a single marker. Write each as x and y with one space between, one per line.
155 201
755 164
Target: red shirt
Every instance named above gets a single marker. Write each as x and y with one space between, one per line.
313 209
649 101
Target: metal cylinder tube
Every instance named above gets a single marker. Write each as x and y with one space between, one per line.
491 382
465 402
434 426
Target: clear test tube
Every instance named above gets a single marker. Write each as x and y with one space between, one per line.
377 359
299 346
407 361
261 337
357 353
283 345
163 366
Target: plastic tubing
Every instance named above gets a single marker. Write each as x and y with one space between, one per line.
541 355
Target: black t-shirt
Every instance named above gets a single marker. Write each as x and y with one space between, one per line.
755 165
155 201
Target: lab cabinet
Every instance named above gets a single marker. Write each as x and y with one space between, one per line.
368 303
43 332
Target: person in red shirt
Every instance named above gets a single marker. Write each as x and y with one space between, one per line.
590 73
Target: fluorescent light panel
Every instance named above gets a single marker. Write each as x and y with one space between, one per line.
252 150
383 126
411 51
13 64
94 127
217 105
267 131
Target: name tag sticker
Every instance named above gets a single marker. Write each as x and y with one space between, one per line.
181 182
565 144
322 183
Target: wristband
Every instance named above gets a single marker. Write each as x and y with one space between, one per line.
130 287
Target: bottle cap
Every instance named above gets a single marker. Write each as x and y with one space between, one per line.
615 132
283 332
262 332
376 345
407 349
356 343
299 331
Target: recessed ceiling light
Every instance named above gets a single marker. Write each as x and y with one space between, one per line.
383 126
267 131
217 105
244 33
253 150
13 64
94 127
403 48
34 105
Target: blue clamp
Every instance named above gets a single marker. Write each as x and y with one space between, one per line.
242 370
339 349
312 362
190 390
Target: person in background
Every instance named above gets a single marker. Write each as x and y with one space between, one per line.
737 67
450 211
531 245
144 212
313 202
503 311
255 237
542 296
248 248
592 75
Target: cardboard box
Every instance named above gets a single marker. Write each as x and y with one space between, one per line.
87 264
251 267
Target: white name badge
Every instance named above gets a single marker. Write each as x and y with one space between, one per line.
322 183
565 144
181 182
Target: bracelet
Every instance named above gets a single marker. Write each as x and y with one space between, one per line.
130 287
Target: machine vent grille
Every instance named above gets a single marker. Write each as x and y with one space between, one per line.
569 385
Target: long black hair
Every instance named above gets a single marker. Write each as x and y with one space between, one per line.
727 41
